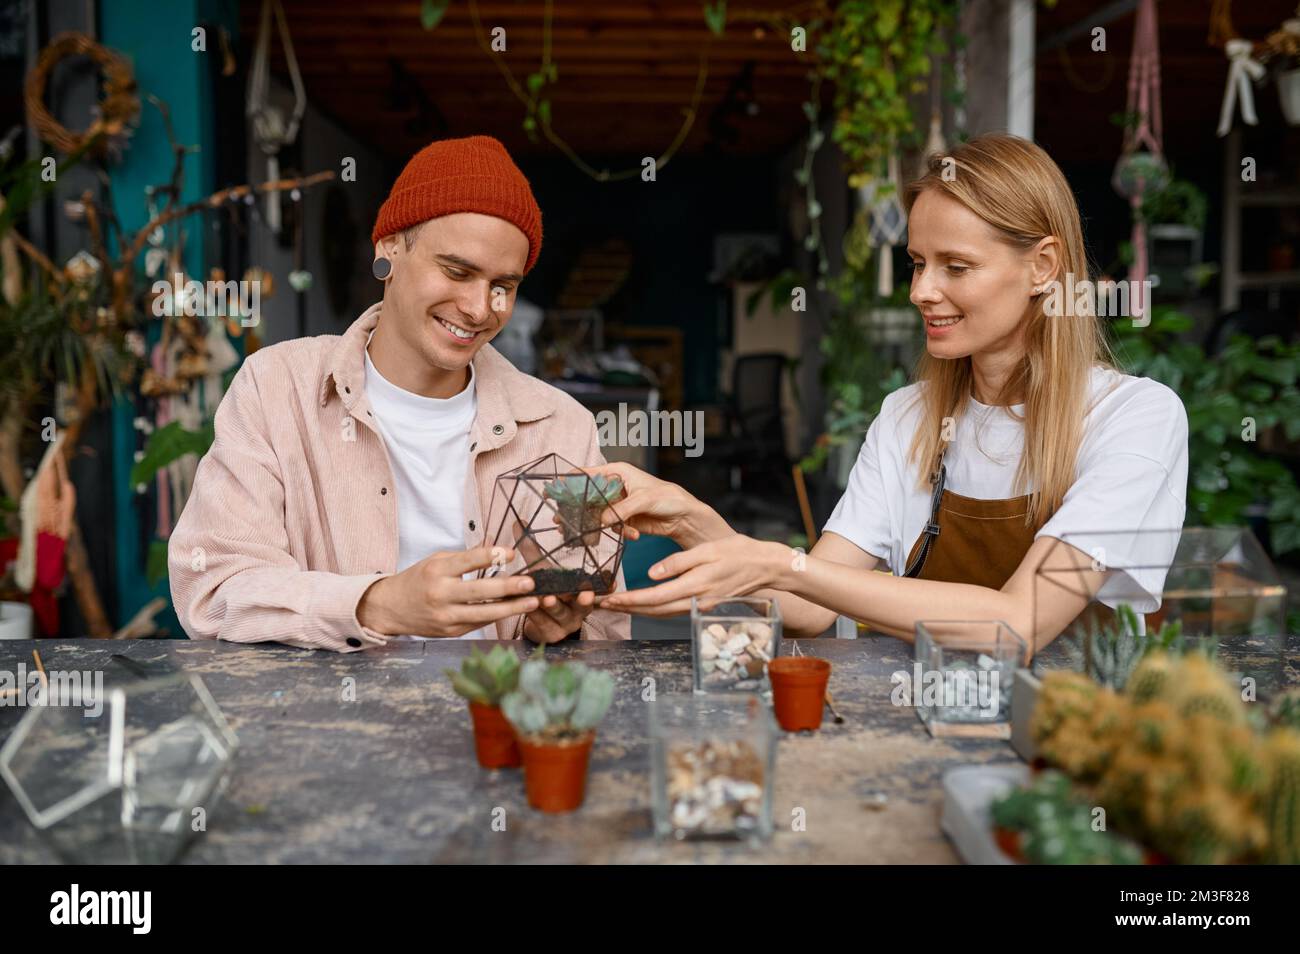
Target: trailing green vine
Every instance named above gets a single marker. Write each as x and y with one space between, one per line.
878 53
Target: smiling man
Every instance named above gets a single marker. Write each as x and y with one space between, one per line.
344 499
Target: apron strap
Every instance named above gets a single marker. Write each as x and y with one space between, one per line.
931 530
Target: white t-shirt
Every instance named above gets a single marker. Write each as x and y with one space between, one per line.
1131 476
428 444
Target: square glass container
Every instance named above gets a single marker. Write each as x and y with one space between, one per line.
963 676
732 641
1217 583
551 513
712 762
123 786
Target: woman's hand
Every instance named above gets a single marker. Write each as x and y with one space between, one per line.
660 508
734 566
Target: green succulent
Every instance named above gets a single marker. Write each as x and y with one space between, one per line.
558 700
584 490
486 677
1109 654
1056 826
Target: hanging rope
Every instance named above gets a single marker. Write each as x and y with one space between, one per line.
271 131
1139 173
1242 71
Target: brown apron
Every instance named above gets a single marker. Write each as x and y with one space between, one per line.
982 542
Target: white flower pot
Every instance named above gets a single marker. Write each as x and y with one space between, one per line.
16 621
1288 91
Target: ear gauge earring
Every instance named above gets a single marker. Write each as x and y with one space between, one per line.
381 268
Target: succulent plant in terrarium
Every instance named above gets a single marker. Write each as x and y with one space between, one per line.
554 702
486 677
580 500
1110 654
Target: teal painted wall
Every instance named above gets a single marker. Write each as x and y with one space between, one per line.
157 38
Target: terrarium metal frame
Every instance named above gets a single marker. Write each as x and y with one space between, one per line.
560 553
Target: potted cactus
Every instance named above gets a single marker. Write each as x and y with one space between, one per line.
555 710
483 679
580 500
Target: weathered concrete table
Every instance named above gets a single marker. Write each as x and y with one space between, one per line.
391 777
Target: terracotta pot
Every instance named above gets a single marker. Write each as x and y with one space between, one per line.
555 774
1008 840
798 690
494 739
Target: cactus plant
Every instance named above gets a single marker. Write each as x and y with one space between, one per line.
557 701
1285 709
580 499
1282 806
486 677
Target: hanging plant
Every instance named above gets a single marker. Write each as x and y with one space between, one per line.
878 53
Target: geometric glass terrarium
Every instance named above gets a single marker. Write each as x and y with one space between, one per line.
561 525
1217 583
122 786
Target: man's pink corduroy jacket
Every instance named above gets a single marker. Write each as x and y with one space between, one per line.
294 511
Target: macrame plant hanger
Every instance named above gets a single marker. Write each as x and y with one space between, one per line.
1141 173
887 224
271 131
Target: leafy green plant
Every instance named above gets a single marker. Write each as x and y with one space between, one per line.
1231 398
878 53
1180 202
557 701
856 376
1108 654
168 444
486 677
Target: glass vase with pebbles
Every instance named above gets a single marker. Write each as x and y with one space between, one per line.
962 678
712 760
732 641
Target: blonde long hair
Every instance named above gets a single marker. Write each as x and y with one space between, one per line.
1015 187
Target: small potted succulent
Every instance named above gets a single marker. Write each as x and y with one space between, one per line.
580 500
555 710
483 679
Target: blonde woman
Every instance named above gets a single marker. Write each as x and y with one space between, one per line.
1018 432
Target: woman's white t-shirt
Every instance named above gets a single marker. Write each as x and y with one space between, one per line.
1125 508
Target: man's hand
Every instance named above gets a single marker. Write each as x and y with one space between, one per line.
431 599
558 617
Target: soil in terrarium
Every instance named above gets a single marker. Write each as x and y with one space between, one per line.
551 581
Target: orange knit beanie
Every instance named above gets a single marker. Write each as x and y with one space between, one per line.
474 174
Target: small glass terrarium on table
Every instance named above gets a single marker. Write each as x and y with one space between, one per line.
712 761
963 677
732 641
562 525
122 785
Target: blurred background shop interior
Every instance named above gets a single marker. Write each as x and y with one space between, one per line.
668 294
